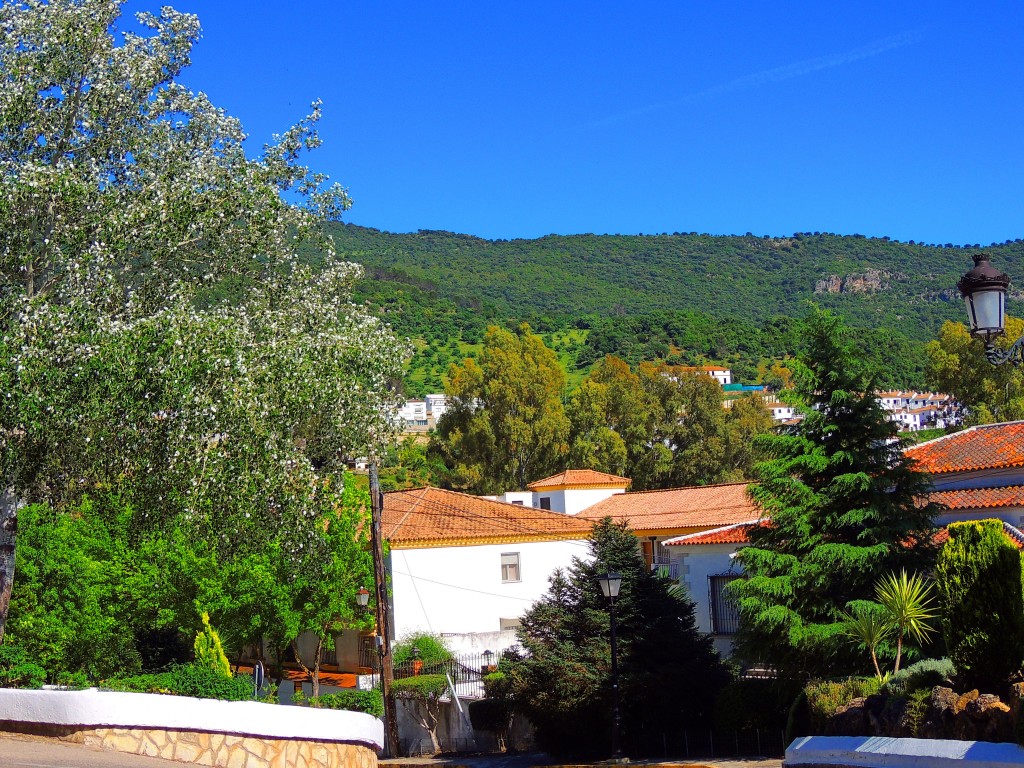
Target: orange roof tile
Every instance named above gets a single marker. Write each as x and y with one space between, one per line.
432 517
990 446
581 477
738 533
980 498
703 506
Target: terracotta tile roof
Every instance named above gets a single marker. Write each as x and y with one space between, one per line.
432 517
980 498
679 509
729 534
581 477
990 446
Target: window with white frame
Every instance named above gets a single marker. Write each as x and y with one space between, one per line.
510 567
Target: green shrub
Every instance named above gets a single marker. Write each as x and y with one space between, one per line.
17 670
421 687
979 577
917 708
209 650
432 648
925 674
370 702
194 680
824 697
73 681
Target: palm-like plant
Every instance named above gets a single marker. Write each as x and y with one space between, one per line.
907 601
870 626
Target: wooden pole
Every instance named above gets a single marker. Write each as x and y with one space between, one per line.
387 672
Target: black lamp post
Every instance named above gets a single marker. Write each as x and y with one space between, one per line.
984 290
610 583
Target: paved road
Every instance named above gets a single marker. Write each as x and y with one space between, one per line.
16 752
27 753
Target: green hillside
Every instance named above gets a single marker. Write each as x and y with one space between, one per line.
685 295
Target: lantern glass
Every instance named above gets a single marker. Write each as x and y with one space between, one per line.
362 597
610 583
986 312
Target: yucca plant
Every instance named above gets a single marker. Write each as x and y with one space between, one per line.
907 601
869 625
904 606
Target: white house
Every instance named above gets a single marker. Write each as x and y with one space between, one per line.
463 564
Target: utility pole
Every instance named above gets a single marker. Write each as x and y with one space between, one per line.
387 672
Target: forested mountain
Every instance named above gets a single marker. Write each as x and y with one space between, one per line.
682 296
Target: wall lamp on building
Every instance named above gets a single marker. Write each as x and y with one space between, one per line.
984 290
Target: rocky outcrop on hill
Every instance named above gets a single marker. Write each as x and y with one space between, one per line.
864 282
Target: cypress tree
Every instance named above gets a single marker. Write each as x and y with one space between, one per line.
844 507
669 672
979 577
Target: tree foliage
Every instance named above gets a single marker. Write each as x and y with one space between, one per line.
669 672
841 505
957 365
979 579
506 424
159 334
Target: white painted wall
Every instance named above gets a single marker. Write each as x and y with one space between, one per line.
459 589
575 500
696 564
151 710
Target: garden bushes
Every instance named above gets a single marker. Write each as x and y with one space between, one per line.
979 577
196 680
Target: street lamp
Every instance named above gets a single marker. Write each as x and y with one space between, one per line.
610 583
362 597
984 290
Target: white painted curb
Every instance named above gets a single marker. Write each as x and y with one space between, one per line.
884 752
151 710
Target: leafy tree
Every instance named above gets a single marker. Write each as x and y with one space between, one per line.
957 365
841 503
669 672
159 333
72 609
424 692
979 578
505 425
745 421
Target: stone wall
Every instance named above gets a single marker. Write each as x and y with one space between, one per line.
211 749
230 734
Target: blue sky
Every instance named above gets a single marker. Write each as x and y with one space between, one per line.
523 119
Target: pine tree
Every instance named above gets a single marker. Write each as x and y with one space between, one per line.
669 673
843 507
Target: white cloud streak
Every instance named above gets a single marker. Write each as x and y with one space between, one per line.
776 75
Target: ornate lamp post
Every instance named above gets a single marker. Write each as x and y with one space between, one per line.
984 290
610 583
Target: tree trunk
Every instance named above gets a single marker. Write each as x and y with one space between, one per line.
8 534
316 667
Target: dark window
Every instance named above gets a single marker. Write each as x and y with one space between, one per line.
545 502
725 617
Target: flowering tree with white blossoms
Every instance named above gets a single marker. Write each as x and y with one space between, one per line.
158 334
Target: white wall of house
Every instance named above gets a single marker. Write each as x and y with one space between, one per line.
460 589
982 478
574 500
696 564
